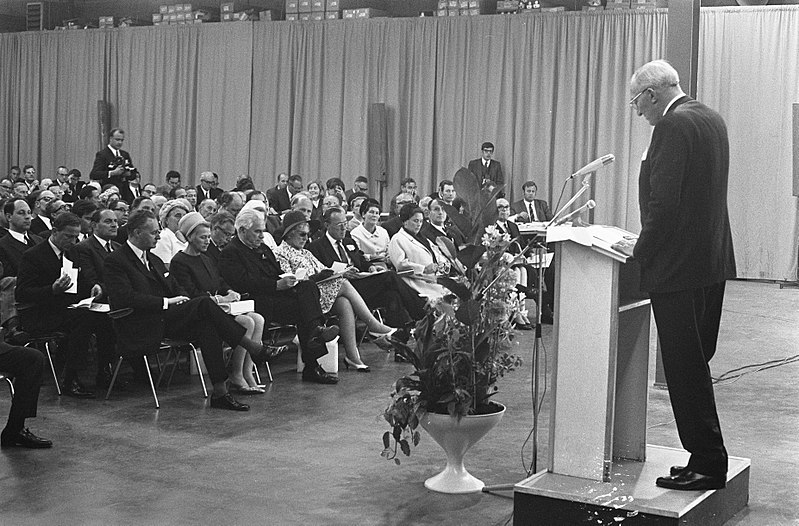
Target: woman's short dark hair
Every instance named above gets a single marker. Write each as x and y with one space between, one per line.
408 210
369 203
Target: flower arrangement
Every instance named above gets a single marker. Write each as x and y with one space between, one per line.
462 346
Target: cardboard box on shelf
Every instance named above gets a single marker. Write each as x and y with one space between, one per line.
163 9
305 17
332 5
304 6
349 13
370 12
292 6
332 15
170 8
156 17
618 4
442 12
292 17
228 17
318 6
593 8
227 7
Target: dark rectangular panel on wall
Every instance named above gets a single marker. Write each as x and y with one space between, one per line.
796 149
103 123
378 148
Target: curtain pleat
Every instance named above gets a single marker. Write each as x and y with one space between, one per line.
549 90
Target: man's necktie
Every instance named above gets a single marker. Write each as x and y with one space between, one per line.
533 216
108 246
27 240
342 253
144 260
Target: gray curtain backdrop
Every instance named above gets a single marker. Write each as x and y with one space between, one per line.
549 90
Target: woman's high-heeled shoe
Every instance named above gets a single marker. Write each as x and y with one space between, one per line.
360 367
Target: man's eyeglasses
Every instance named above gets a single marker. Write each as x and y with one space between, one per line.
501 207
634 100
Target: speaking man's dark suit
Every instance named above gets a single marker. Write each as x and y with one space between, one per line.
200 320
686 254
102 160
90 256
41 310
11 252
541 209
256 272
492 174
385 290
214 194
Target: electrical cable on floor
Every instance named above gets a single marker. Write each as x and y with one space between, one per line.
539 403
727 378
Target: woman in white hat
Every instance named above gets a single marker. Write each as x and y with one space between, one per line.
199 276
171 241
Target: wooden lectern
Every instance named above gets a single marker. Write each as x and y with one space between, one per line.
600 468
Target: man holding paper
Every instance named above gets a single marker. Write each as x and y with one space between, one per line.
46 286
378 289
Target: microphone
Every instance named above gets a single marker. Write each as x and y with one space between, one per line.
594 165
589 205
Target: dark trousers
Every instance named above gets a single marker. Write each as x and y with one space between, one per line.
298 306
78 325
400 302
25 365
202 322
688 328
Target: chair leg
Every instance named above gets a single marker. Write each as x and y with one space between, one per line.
268 372
113 377
199 369
162 370
150 377
52 367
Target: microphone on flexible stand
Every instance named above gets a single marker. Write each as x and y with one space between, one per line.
587 206
594 165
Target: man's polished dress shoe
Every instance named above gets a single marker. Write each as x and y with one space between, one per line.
675 470
228 402
322 334
687 480
318 375
76 390
25 439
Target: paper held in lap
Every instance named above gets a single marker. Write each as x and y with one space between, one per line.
238 307
89 304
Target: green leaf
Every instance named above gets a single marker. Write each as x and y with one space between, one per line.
397 461
470 255
405 447
397 433
416 438
386 439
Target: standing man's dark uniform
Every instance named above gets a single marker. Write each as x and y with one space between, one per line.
686 255
112 164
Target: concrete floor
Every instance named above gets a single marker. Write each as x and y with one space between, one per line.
308 454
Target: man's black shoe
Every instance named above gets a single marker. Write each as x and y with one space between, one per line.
228 402
321 335
318 375
691 481
676 470
76 390
25 439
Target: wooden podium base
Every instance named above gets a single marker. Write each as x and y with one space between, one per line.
631 498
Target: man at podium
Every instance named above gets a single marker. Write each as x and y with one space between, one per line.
686 255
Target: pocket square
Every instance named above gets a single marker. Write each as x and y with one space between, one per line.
166 274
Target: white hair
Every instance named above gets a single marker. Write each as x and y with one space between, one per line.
248 218
655 74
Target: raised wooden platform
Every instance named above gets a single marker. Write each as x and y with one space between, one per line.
631 497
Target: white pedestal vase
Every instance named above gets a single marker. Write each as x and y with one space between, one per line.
456 437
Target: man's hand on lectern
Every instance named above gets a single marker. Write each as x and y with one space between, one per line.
625 246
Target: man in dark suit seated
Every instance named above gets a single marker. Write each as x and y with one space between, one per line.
222 231
43 300
112 164
25 366
139 280
38 201
487 171
280 200
90 255
529 209
437 225
19 239
250 267
130 189
384 290
140 203
208 187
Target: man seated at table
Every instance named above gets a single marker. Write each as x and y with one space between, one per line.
43 300
529 208
137 279
250 267
385 290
